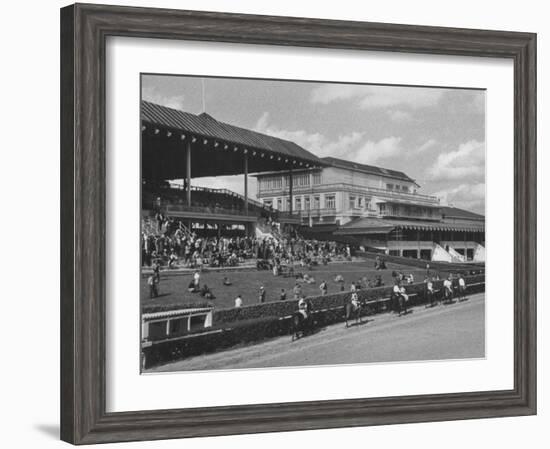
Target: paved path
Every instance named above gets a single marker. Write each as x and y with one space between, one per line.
453 331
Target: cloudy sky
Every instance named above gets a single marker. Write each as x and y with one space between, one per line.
436 136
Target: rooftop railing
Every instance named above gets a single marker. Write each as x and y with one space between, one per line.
398 194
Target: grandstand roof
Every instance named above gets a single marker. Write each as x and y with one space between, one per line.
369 169
381 225
218 148
455 212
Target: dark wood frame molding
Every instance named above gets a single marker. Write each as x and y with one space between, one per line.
84 29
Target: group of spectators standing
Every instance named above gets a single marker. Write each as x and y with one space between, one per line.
284 256
170 244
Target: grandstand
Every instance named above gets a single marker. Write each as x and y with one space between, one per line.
181 146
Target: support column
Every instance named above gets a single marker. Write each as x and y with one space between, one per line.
188 172
418 242
465 249
290 186
246 183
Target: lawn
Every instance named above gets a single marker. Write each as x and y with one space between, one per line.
173 286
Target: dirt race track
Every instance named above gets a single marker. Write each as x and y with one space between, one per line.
453 331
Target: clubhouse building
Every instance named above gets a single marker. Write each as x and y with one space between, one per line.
374 207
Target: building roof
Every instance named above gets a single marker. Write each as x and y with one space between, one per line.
163 127
455 212
369 169
370 225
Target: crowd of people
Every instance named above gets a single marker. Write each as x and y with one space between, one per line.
286 255
169 243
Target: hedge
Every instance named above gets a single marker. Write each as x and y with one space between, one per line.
286 308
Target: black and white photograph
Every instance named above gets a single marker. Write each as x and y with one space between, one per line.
296 223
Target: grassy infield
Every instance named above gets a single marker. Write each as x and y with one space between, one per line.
173 286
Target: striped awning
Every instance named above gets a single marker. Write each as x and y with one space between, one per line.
365 226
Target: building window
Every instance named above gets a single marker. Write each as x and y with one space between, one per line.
316 202
404 188
389 186
330 202
288 204
316 178
360 202
307 202
301 180
298 203
352 202
382 208
279 204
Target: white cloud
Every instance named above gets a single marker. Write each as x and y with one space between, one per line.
400 116
354 146
372 151
370 97
466 162
465 196
153 95
426 146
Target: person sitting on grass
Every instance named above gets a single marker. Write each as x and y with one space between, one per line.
206 292
192 287
309 279
282 296
226 281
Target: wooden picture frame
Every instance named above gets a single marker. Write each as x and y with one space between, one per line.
84 29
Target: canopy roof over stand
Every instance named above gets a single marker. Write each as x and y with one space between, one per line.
217 148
